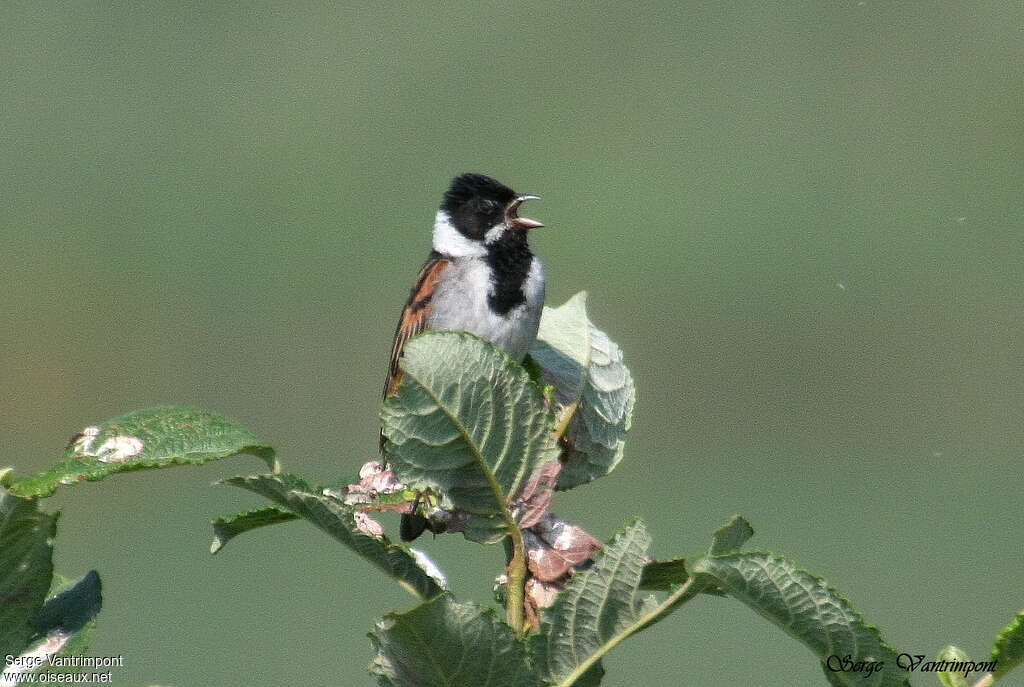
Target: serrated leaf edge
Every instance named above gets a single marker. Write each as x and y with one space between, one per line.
295 485
686 591
478 456
843 600
1015 626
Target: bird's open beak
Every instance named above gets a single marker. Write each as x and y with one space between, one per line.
517 222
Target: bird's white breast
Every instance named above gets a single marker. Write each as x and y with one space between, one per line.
460 303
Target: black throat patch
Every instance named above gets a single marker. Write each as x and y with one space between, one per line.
510 260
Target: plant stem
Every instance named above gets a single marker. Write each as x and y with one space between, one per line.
515 601
985 681
515 608
565 417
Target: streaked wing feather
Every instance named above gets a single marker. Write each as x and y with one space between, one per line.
414 316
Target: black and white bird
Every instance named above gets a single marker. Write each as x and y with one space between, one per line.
480 277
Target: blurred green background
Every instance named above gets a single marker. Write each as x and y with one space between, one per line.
801 221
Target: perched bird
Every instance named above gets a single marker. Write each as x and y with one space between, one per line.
480 277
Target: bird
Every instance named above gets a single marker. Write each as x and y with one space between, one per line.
480 277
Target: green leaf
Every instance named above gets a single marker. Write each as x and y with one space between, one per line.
447 644
227 527
728 538
950 678
153 438
599 608
467 422
68 618
562 348
26 568
73 607
664 576
62 627
1008 651
586 368
338 520
731 536
807 609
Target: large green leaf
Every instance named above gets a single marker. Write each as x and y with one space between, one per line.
1008 651
152 438
442 643
806 608
338 520
586 368
26 568
599 608
467 422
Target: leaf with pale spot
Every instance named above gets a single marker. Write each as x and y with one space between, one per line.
145 439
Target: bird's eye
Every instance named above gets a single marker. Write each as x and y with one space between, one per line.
488 206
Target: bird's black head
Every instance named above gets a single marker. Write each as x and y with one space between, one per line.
476 203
